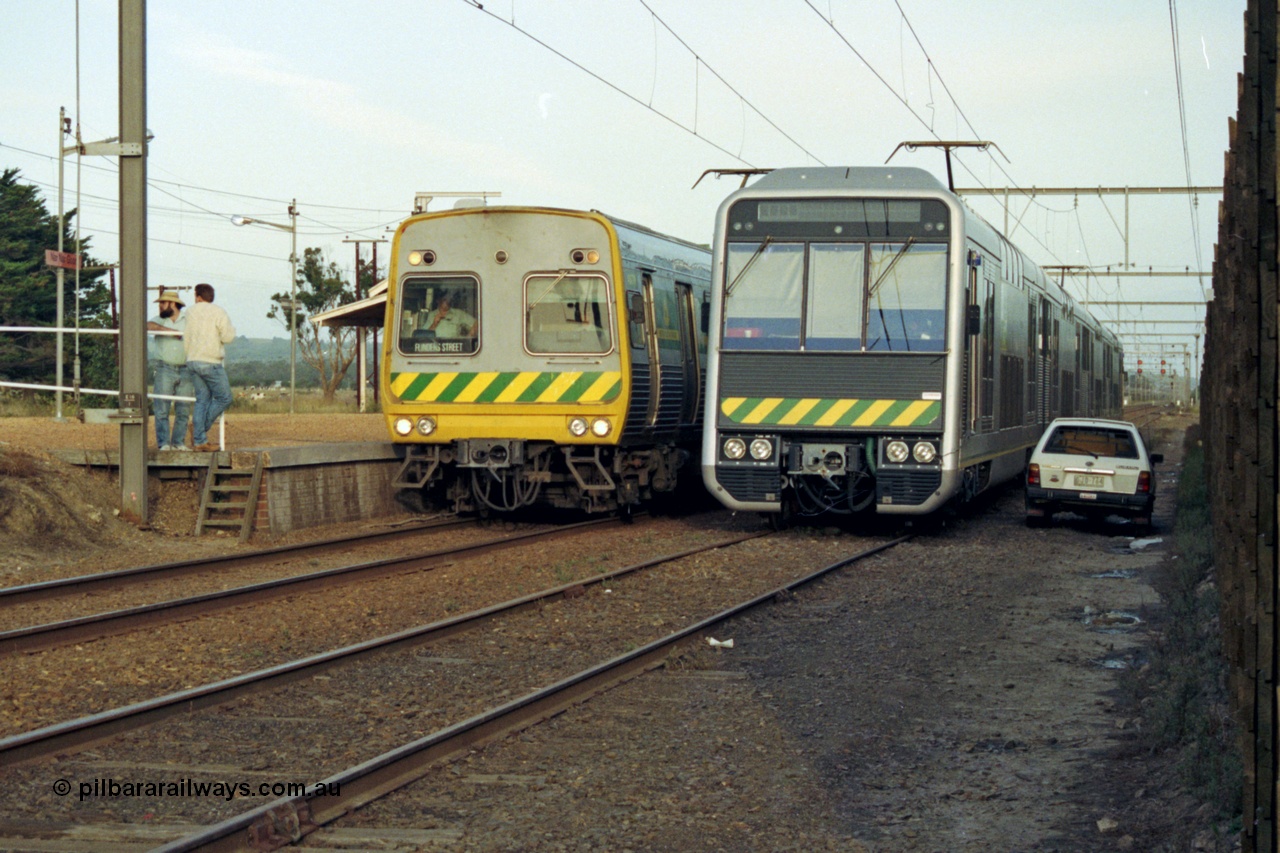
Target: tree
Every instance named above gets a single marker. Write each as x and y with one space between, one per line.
331 350
28 288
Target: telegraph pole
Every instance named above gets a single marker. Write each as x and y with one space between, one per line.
360 343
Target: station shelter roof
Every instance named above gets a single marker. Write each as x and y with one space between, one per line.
368 312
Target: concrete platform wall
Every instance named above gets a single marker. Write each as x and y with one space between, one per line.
302 486
299 497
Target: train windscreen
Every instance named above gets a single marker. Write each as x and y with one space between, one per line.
439 315
567 314
839 275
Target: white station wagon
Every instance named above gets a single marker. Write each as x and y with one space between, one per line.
1092 467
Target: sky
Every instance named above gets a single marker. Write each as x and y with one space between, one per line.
620 105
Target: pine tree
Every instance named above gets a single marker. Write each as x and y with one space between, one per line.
28 288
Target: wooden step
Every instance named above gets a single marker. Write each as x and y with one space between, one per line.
222 482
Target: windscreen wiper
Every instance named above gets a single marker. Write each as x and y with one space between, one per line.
871 291
547 290
764 244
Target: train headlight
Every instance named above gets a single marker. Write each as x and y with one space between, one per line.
761 449
600 427
924 452
403 426
426 425
734 448
578 426
897 451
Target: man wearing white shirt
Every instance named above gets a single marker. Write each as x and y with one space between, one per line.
208 331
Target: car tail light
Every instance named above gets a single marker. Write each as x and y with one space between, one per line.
1033 474
1144 482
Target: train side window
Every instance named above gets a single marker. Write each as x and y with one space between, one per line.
635 319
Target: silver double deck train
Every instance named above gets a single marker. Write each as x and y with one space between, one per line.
876 345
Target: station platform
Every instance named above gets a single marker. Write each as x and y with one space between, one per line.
307 481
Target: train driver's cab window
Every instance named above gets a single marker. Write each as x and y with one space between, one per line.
834 316
763 292
906 297
567 314
439 316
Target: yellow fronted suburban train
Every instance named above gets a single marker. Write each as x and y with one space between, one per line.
543 357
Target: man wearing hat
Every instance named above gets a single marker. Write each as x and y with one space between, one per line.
172 378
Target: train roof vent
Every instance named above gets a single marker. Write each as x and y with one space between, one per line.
462 203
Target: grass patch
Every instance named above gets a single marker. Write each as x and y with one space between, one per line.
1183 692
15 463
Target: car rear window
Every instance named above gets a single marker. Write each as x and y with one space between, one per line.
1098 441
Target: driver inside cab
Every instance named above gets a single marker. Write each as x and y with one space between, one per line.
447 321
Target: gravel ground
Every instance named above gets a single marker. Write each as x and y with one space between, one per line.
950 695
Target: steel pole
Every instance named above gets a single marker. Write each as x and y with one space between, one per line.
133 261
293 303
61 274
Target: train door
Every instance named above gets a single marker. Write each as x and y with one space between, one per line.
980 351
972 348
651 346
1031 408
1046 368
688 353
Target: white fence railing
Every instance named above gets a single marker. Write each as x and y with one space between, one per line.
102 392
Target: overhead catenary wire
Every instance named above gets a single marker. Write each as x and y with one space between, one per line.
742 98
631 97
157 183
926 125
1186 145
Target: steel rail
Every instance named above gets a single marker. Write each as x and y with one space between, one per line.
288 819
77 734
82 629
13 596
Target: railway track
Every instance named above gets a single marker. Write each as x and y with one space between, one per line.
1144 415
470 715
78 733
288 820
82 629
21 596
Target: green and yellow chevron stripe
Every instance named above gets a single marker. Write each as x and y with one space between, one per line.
516 387
823 412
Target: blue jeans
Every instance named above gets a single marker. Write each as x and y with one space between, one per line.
213 395
175 381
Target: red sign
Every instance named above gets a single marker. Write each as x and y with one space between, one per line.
66 260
